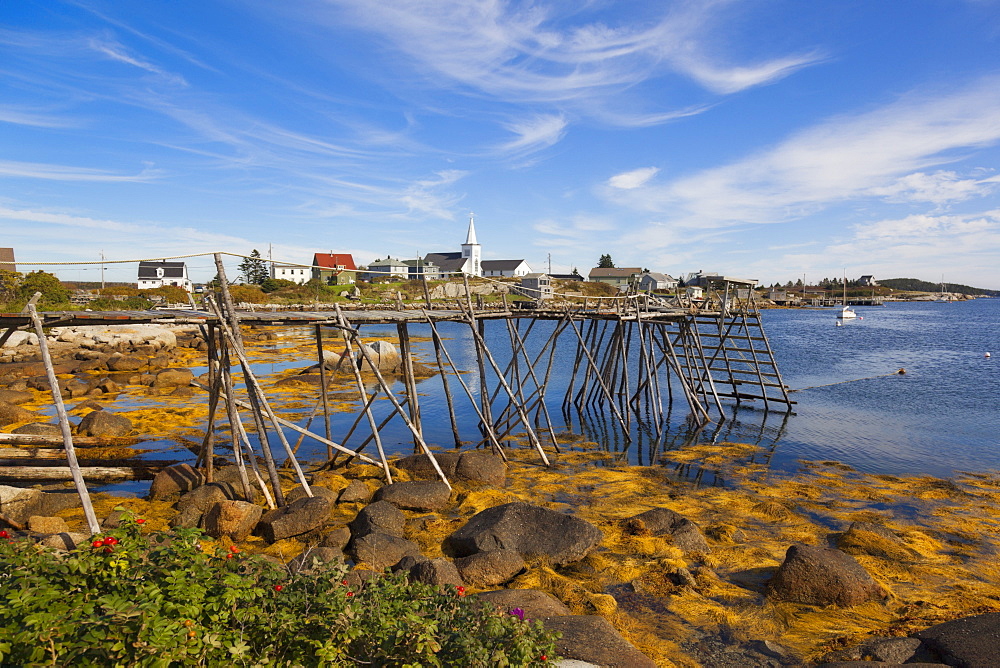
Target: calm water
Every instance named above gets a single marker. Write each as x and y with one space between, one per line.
943 415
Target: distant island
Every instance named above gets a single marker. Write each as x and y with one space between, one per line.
917 285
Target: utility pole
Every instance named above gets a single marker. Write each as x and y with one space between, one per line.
102 270
550 264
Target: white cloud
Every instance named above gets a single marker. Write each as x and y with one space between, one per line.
633 179
937 188
119 53
844 158
535 133
34 170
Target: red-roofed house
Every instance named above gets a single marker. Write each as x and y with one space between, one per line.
334 268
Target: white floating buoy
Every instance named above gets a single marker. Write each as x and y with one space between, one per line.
987 355
840 324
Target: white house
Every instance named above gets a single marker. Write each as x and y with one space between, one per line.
391 266
652 280
157 274
510 268
535 286
290 272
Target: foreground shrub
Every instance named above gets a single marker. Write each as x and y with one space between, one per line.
130 600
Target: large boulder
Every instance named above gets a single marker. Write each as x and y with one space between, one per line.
419 466
18 504
383 354
232 518
355 492
436 572
535 603
120 362
39 429
488 569
380 550
44 524
104 423
382 517
15 396
481 466
203 498
822 576
420 495
969 641
591 638
10 413
295 519
529 530
174 481
173 378
685 534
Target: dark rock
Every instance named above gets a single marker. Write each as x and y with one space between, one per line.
436 572
879 664
419 466
487 569
317 490
529 530
822 576
189 518
104 423
591 638
890 650
9 414
113 520
51 503
232 518
416 495
382 517
295 519
337 538
175 480
408 562
74 387
355 492
664 522
535 603
380 550
206 496
312 558
875 540
969 642
39 429
88 405
481 466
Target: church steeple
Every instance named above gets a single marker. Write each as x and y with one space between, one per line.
472 251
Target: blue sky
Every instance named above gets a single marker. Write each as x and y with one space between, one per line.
761 139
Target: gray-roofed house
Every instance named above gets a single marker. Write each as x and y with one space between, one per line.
510 268
651 281
617 276
535 286
157 274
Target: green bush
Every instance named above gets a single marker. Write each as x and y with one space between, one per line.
127 304
161 600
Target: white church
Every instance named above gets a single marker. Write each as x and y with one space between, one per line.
470 260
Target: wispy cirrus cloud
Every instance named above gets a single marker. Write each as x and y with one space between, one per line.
118 52
633 179
531 134
881 153
35 118
34 170
538 52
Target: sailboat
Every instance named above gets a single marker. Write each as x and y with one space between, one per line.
942 297
846 313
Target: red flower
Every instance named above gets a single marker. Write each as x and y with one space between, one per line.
229 556
343 583
141 520
350 594
109 550
234 549
278 587
98 543
110 540
461 591
4 534
543 658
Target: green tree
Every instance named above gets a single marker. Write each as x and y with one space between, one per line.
9 283
575 271
253 269
53 291
605 262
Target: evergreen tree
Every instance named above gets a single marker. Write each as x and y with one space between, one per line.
253 269
605 262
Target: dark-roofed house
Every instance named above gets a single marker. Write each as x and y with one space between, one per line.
157 274
334 268
450 263
505 268
7 260
617 276
867 281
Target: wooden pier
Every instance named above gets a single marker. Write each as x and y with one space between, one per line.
631 355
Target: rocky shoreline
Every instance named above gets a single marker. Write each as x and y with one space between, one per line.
633 565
